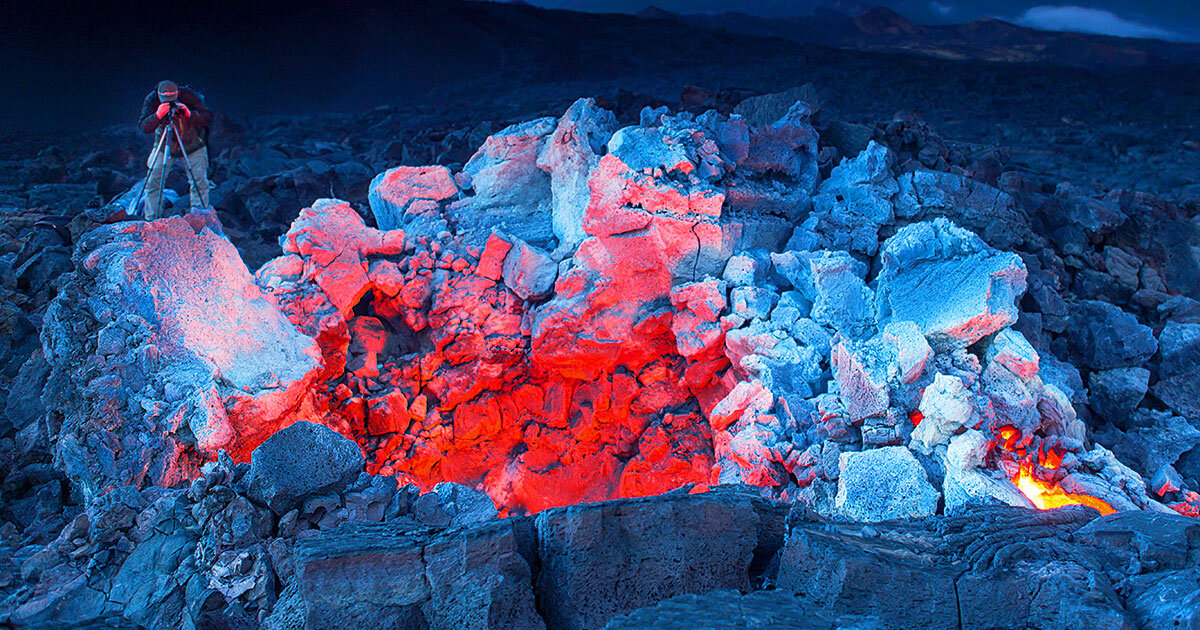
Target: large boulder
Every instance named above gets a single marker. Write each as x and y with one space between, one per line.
334 243
163 352
653 221
856 200
1179 371
399 194
883 483
299 461
833 282
989 212
949 282
511 192
570 153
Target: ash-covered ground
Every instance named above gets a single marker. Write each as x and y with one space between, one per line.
672 356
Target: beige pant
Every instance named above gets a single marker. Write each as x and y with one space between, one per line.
198 160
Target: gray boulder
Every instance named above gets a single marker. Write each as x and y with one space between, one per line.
1179 369
299 461
163 352
454 504
511 192
1106 337
1114 394
833 282
949 282
856 200
882 484
529 271
399 194
989 212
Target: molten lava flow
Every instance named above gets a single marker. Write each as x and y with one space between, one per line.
1047 496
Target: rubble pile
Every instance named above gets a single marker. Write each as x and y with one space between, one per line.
872 337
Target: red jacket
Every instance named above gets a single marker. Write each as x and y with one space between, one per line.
189 126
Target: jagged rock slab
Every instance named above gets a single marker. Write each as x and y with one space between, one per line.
390 575
183 346
988 568
949 282
725 609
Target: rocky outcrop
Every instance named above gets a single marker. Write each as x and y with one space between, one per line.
174 352
209 556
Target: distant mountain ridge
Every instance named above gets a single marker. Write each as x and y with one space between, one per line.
884 30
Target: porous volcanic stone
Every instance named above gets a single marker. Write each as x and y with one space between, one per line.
300 461
883 483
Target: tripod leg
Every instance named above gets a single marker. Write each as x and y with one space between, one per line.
187 164
162 180
158 148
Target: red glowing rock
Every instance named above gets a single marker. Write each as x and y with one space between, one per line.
333 240
400 191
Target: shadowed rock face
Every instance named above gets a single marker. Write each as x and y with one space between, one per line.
364 554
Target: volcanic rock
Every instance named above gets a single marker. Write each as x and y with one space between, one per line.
396 576
991 213
453 504
723 609
334 242
882 484
946 406
568 155
1179 370
1106 337
1010 349
510 191
1114 394
529 271
408 190
856 200
584 548
977 287
833 282
184 341
299 461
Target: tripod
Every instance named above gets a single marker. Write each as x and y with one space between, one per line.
162 149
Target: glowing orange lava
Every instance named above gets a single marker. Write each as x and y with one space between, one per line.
1047 496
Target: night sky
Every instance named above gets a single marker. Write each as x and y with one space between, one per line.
82 65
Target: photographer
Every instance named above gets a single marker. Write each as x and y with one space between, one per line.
183 108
